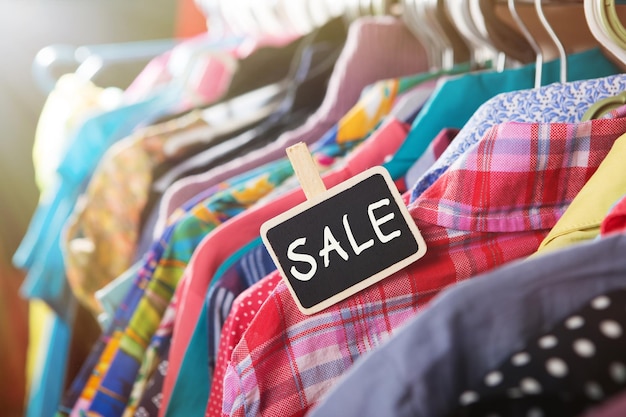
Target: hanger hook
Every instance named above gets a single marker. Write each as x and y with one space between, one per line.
531 40
555 39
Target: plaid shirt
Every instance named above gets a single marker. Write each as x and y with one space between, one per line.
495 204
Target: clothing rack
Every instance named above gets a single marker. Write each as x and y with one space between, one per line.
151 226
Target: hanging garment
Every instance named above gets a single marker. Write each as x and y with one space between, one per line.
456 101
367 42
381 95
111 296
71 101
243 311
371 153
225 205
613 407
101 234
248 265
189 232
524 106
465 233
583 218
428 364
430 155
571 367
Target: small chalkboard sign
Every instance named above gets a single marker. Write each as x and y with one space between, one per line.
342 240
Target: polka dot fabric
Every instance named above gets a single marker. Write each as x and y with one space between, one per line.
244 309
578 364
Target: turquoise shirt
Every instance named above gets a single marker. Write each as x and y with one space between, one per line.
455 101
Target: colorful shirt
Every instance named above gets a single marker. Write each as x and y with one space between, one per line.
78 396
430 155
583 218
115 383
456 100
552 103
367 41
220 246
40 251
113 393
102 233
471 222
473 327
244 310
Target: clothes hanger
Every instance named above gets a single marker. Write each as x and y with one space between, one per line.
437 9
436 34
318 11
596 25
611 22
481 49
503 37
600 32
264 14
606 16
555 39
530 39
429 17
432 44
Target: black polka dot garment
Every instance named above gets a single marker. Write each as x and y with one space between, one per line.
578 364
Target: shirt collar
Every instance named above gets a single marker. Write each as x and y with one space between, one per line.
591 204
519 177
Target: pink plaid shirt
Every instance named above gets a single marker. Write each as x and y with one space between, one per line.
494 204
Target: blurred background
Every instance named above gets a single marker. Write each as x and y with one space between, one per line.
26 27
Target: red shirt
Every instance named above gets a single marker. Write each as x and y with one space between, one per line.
234 234
495 204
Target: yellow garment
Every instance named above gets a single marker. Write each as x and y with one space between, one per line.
581 221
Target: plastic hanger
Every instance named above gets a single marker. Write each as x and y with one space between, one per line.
266 18
481 49
503 37
437 9
432 45
597 26
436 34
592 15
555 39
611 23
428 16
529 38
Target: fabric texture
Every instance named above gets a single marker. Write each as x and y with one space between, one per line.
456 100
583 218
371 153
430 156
572 367
616 219
471 223
555 102
102 232
613 407
244 310
162 269
472 328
